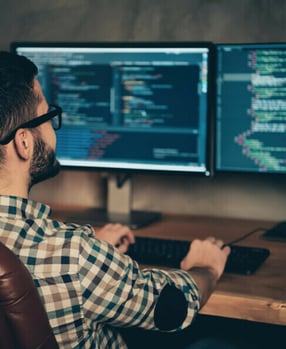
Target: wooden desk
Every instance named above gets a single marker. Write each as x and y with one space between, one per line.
260 297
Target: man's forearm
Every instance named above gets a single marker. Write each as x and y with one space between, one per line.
206 280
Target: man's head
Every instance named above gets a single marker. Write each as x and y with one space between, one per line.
18 102
25 120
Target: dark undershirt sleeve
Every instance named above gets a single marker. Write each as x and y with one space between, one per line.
171 309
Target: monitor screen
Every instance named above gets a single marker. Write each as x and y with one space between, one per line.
251 108
128 106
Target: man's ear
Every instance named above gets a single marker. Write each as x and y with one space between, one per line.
23 141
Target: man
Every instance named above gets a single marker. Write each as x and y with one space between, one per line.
87 283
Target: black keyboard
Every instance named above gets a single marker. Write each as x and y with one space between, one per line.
166 252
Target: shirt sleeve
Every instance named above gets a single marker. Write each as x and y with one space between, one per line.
115 291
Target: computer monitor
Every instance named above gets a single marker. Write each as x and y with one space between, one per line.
128 107
251 108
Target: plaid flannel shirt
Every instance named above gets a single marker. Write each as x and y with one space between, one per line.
88 287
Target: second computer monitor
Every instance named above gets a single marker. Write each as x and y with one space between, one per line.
251 108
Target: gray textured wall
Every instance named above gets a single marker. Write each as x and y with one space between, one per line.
113 20
157 20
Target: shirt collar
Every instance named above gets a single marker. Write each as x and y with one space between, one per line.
13 206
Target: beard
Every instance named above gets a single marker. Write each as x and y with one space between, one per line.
44 163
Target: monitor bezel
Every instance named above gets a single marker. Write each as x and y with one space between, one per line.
209 166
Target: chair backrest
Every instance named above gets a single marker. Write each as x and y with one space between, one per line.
23 319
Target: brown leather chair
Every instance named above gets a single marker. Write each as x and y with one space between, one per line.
23 320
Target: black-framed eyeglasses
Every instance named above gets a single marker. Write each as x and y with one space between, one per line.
54 114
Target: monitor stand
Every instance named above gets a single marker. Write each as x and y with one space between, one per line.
119 193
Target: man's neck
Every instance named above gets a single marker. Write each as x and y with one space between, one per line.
12 185
17 194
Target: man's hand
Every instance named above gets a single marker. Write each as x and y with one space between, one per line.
208 253
117 235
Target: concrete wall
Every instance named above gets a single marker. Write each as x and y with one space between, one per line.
156 20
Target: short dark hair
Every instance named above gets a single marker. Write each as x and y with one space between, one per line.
18 102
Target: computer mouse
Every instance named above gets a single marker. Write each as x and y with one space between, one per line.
277 232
